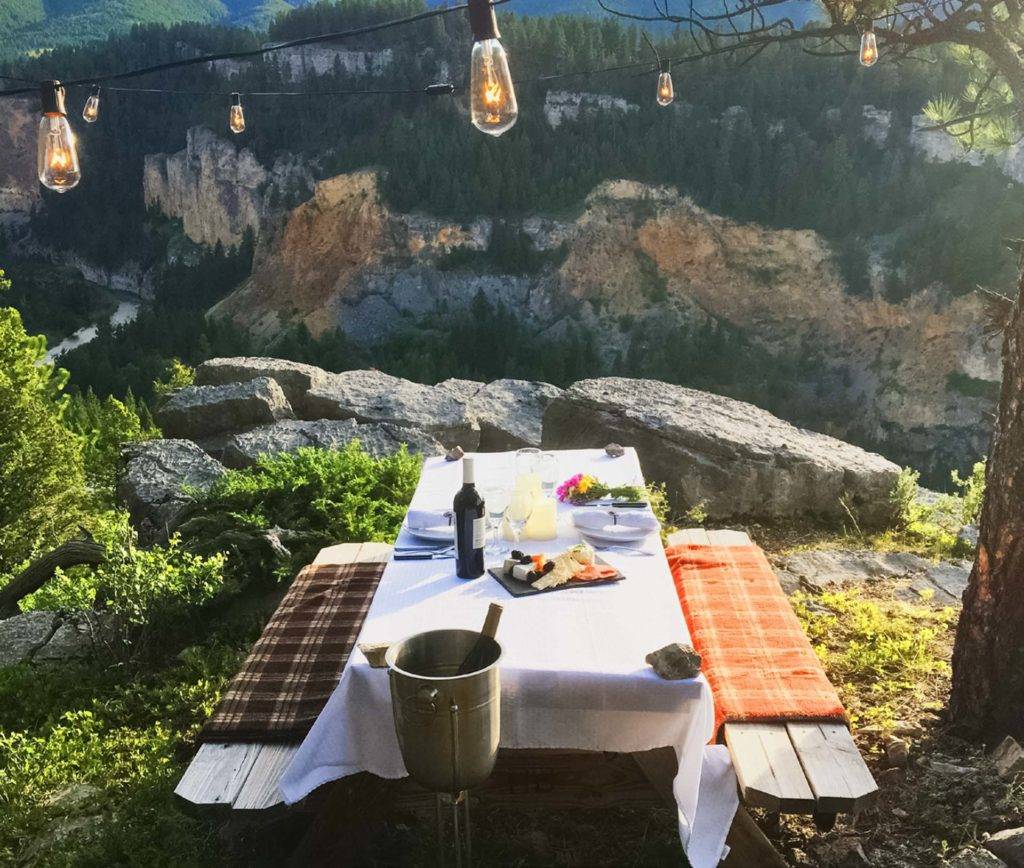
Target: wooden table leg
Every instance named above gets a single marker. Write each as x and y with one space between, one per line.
749 847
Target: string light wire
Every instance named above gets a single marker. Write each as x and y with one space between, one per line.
254 52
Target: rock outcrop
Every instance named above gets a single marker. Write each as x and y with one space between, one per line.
218 190
942 582
157 477
372 396
243 450
732 457
42 636
294 378
510 413
563 105
19 186
197 412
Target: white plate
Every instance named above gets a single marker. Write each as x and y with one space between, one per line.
615 533
441 533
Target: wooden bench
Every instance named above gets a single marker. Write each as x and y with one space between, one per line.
784 768
792 768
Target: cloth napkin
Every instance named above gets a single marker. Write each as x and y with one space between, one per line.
421 519
607 520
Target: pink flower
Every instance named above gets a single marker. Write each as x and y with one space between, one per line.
566 490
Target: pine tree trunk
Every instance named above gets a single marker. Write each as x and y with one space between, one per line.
987 701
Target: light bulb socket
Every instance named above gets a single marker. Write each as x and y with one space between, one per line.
51 95
665 64
482 20
95 90
439 89
236 99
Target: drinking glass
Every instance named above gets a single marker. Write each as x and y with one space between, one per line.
496 500
527 460
547 470
519 508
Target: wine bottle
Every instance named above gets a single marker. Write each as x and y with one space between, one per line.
470 526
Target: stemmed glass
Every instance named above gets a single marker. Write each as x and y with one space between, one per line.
496 500
519 508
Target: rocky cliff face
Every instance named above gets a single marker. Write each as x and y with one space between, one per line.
19 187
885 374
217 190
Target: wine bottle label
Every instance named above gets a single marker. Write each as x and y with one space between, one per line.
479 533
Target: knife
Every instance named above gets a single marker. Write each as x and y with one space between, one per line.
422 556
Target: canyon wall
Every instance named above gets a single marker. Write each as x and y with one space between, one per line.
636 257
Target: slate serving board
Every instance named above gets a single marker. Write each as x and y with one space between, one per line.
522 589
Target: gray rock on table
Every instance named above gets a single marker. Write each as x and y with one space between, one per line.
675 662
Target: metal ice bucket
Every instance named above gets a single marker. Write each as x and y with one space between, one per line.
448 726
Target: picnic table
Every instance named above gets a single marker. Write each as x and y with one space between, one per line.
573 678
573 672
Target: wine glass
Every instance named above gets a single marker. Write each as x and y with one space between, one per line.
519 508
496 500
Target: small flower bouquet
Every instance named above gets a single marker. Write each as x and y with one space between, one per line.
584 488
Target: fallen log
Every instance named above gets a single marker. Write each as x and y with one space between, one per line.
73 553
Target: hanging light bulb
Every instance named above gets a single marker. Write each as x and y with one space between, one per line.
666 92
868 48
492 98
91 112
236 117
57 154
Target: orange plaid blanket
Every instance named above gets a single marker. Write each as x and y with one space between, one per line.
756 656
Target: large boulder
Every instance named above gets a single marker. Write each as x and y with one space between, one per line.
155 477
379 440
733 457
40 636
294 378
205 411
510 412
372 396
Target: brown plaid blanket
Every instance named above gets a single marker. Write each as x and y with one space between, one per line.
295 665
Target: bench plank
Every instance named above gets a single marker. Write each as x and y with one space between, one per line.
345 553
217 773
769 773
837 773
726 537
260 791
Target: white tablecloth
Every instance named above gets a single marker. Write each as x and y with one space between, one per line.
572 673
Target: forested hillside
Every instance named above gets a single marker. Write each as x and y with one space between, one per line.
35 25
791 141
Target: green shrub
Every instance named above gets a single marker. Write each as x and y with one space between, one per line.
274 517
972 492
42 478
105 426
147 595
933 528
120 731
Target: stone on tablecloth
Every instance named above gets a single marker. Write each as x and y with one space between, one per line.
675 662
454 454
614 450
